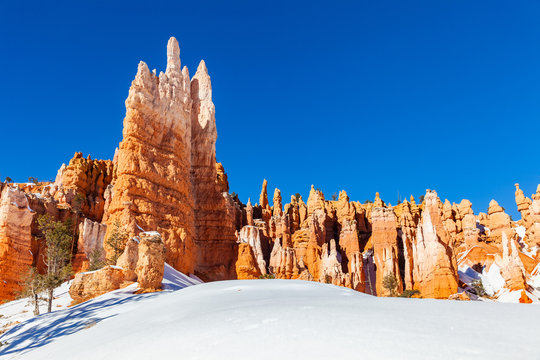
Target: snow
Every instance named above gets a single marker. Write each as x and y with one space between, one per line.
493 283
22 310
273 319
520 230
18 311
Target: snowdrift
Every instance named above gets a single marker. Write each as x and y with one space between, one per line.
271 319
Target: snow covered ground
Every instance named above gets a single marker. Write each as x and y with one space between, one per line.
274 319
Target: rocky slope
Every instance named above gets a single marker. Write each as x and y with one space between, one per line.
164 178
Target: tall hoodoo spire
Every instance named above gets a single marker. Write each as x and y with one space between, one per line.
173 57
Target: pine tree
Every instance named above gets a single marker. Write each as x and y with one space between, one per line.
390 283
58 236
97 260
116 241
33 284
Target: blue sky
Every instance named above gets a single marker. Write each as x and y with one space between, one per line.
388 96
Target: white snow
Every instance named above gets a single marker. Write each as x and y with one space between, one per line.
21 310
492 280
18 311
275 319
520 230
493 283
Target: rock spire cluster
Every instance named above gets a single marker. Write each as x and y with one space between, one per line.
168 197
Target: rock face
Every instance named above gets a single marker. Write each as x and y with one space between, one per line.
91 237
15 240
166 177
143 260
523 203
385 247
82 184
153 189
151 262
246 265
512 268
214 226
129 258
89 285
251 235
434 273
408 222
498 222
533 221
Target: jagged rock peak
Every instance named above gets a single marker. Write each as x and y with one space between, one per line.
343 196
277 211
494 207
378 202
263 199
173 57
201 86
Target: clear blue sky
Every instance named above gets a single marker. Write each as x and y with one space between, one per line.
388 96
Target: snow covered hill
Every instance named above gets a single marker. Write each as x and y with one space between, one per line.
271 319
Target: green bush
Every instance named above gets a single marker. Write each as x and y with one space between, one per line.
267 276
478 288
390 283
409 293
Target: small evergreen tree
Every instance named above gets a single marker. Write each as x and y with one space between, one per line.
390 283
335 196
33 180
33 284
409 293
297 196
59 238
77 204
116 241
478 287
97 259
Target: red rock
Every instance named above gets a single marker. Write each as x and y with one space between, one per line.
512 269
523 203
91 238
167 179
88 179
524 299
88 285
129 258
315 201
15 240
408 222
277 208
151 262
434 273
498 222
385 247
251 235
246 265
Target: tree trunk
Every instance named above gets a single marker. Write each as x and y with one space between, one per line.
49 308
36 304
